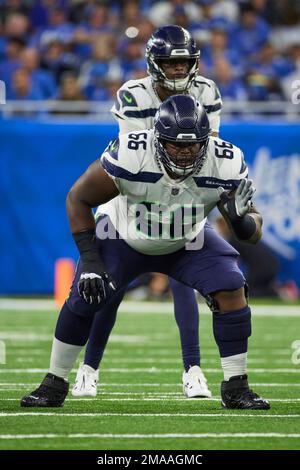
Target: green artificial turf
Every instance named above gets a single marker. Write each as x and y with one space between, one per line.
140 403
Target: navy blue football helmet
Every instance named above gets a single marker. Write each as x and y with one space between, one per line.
180 120
172 42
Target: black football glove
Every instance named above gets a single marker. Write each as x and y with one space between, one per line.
94 283
94 288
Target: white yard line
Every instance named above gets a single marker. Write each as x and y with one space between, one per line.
145 307
26 336
141 384
151 436
156 370
160 415
162 397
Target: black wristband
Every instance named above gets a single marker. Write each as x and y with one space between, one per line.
243 227
89 253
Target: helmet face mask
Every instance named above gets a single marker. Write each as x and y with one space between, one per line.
172 43
177 160
182 132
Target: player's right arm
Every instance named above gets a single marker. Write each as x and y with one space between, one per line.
101 182
94 187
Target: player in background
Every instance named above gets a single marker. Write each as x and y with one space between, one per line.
173 62
188 173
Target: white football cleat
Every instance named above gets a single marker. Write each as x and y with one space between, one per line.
195 383
86 382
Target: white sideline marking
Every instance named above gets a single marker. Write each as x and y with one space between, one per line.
148 436
155 370
160 415
177 362
146 307
24 336
143 395
134 385
162 397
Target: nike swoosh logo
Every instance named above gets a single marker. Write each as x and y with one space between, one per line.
35 398
113 146
128 99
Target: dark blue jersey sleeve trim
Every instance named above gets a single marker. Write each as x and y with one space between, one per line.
213 108
141 177
145 113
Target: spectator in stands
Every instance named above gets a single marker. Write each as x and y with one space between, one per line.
261 87
201 25
57 60
64 34
268 62
59 29
229 86
39 15
70 91
97 20
10 8
132 53
81 9
131 14
139 70
108 91
218 47
41 79
12 62
22 87
228 9
104 63
145 30
251 33
162 12
17 26
180 17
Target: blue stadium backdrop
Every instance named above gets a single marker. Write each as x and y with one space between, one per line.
39 161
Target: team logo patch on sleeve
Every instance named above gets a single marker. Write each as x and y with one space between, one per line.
113 148
127 98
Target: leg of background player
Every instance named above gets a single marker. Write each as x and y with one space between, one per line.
88 374
102 326
187 319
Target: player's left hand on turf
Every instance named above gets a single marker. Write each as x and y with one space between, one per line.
239 204
94 288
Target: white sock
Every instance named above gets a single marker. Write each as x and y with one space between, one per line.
63 357
234 365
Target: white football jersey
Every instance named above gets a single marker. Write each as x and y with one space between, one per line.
154 213
137 102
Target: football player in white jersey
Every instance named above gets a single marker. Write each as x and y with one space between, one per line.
173 62
159 186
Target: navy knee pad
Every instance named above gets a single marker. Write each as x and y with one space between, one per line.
232 330
72 328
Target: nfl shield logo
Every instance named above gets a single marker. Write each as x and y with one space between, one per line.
175 191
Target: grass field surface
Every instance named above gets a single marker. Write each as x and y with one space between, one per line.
140 404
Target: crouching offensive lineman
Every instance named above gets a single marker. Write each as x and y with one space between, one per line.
159 186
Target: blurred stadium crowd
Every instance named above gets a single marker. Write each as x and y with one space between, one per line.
77 50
